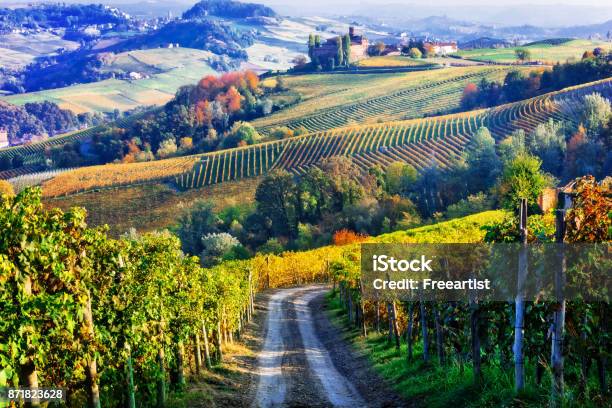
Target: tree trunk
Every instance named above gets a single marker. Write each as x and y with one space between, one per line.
424 331
206 348
439 336
180 364
409 331
601 374
91 370
519 311
395 325
349 306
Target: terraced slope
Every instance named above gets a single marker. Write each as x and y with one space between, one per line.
402 97
34 154
420 142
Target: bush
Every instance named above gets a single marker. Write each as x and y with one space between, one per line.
415 53
241 133
167 148
6 188
473 204
345 236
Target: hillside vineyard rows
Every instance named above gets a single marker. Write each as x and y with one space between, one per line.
423 98
419 142
33 154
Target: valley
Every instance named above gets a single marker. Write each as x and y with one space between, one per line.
196 196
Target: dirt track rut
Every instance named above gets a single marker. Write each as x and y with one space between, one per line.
304 362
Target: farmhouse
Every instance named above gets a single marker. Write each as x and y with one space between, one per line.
359 47
443 48
4 140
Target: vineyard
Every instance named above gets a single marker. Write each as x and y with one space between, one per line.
419 142
34 154
428 94
115 175
113 321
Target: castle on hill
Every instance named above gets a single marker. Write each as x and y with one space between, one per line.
359 47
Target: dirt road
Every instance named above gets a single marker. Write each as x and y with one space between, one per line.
304 362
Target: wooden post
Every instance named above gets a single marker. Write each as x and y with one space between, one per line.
27 370
91 370
130 379
424 331
409 331
364 329
161 383
559 314
519 311
219 351
180 364
206 348
198 355
439 335
378 316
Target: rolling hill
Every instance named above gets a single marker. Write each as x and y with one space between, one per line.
420 142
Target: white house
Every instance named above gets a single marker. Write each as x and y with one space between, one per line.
443 48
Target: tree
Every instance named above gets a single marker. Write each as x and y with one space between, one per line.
199 221
398 177
595 112
521 179
311 47
217 246
339 52
346 49
522 54
276 198
280 84
379 48
415 53
299 61
241 133
470 96
482 161
547 141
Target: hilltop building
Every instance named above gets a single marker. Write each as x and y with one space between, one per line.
4 140
359 47
443 48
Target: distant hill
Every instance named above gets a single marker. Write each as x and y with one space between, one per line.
484 42
228 9
208 35
59 16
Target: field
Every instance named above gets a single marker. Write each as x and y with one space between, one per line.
541 51
168 69
331 101
419 142
18 50
391 61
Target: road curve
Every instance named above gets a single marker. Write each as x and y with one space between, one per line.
294 367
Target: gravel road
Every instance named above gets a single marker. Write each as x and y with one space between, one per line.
305 362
